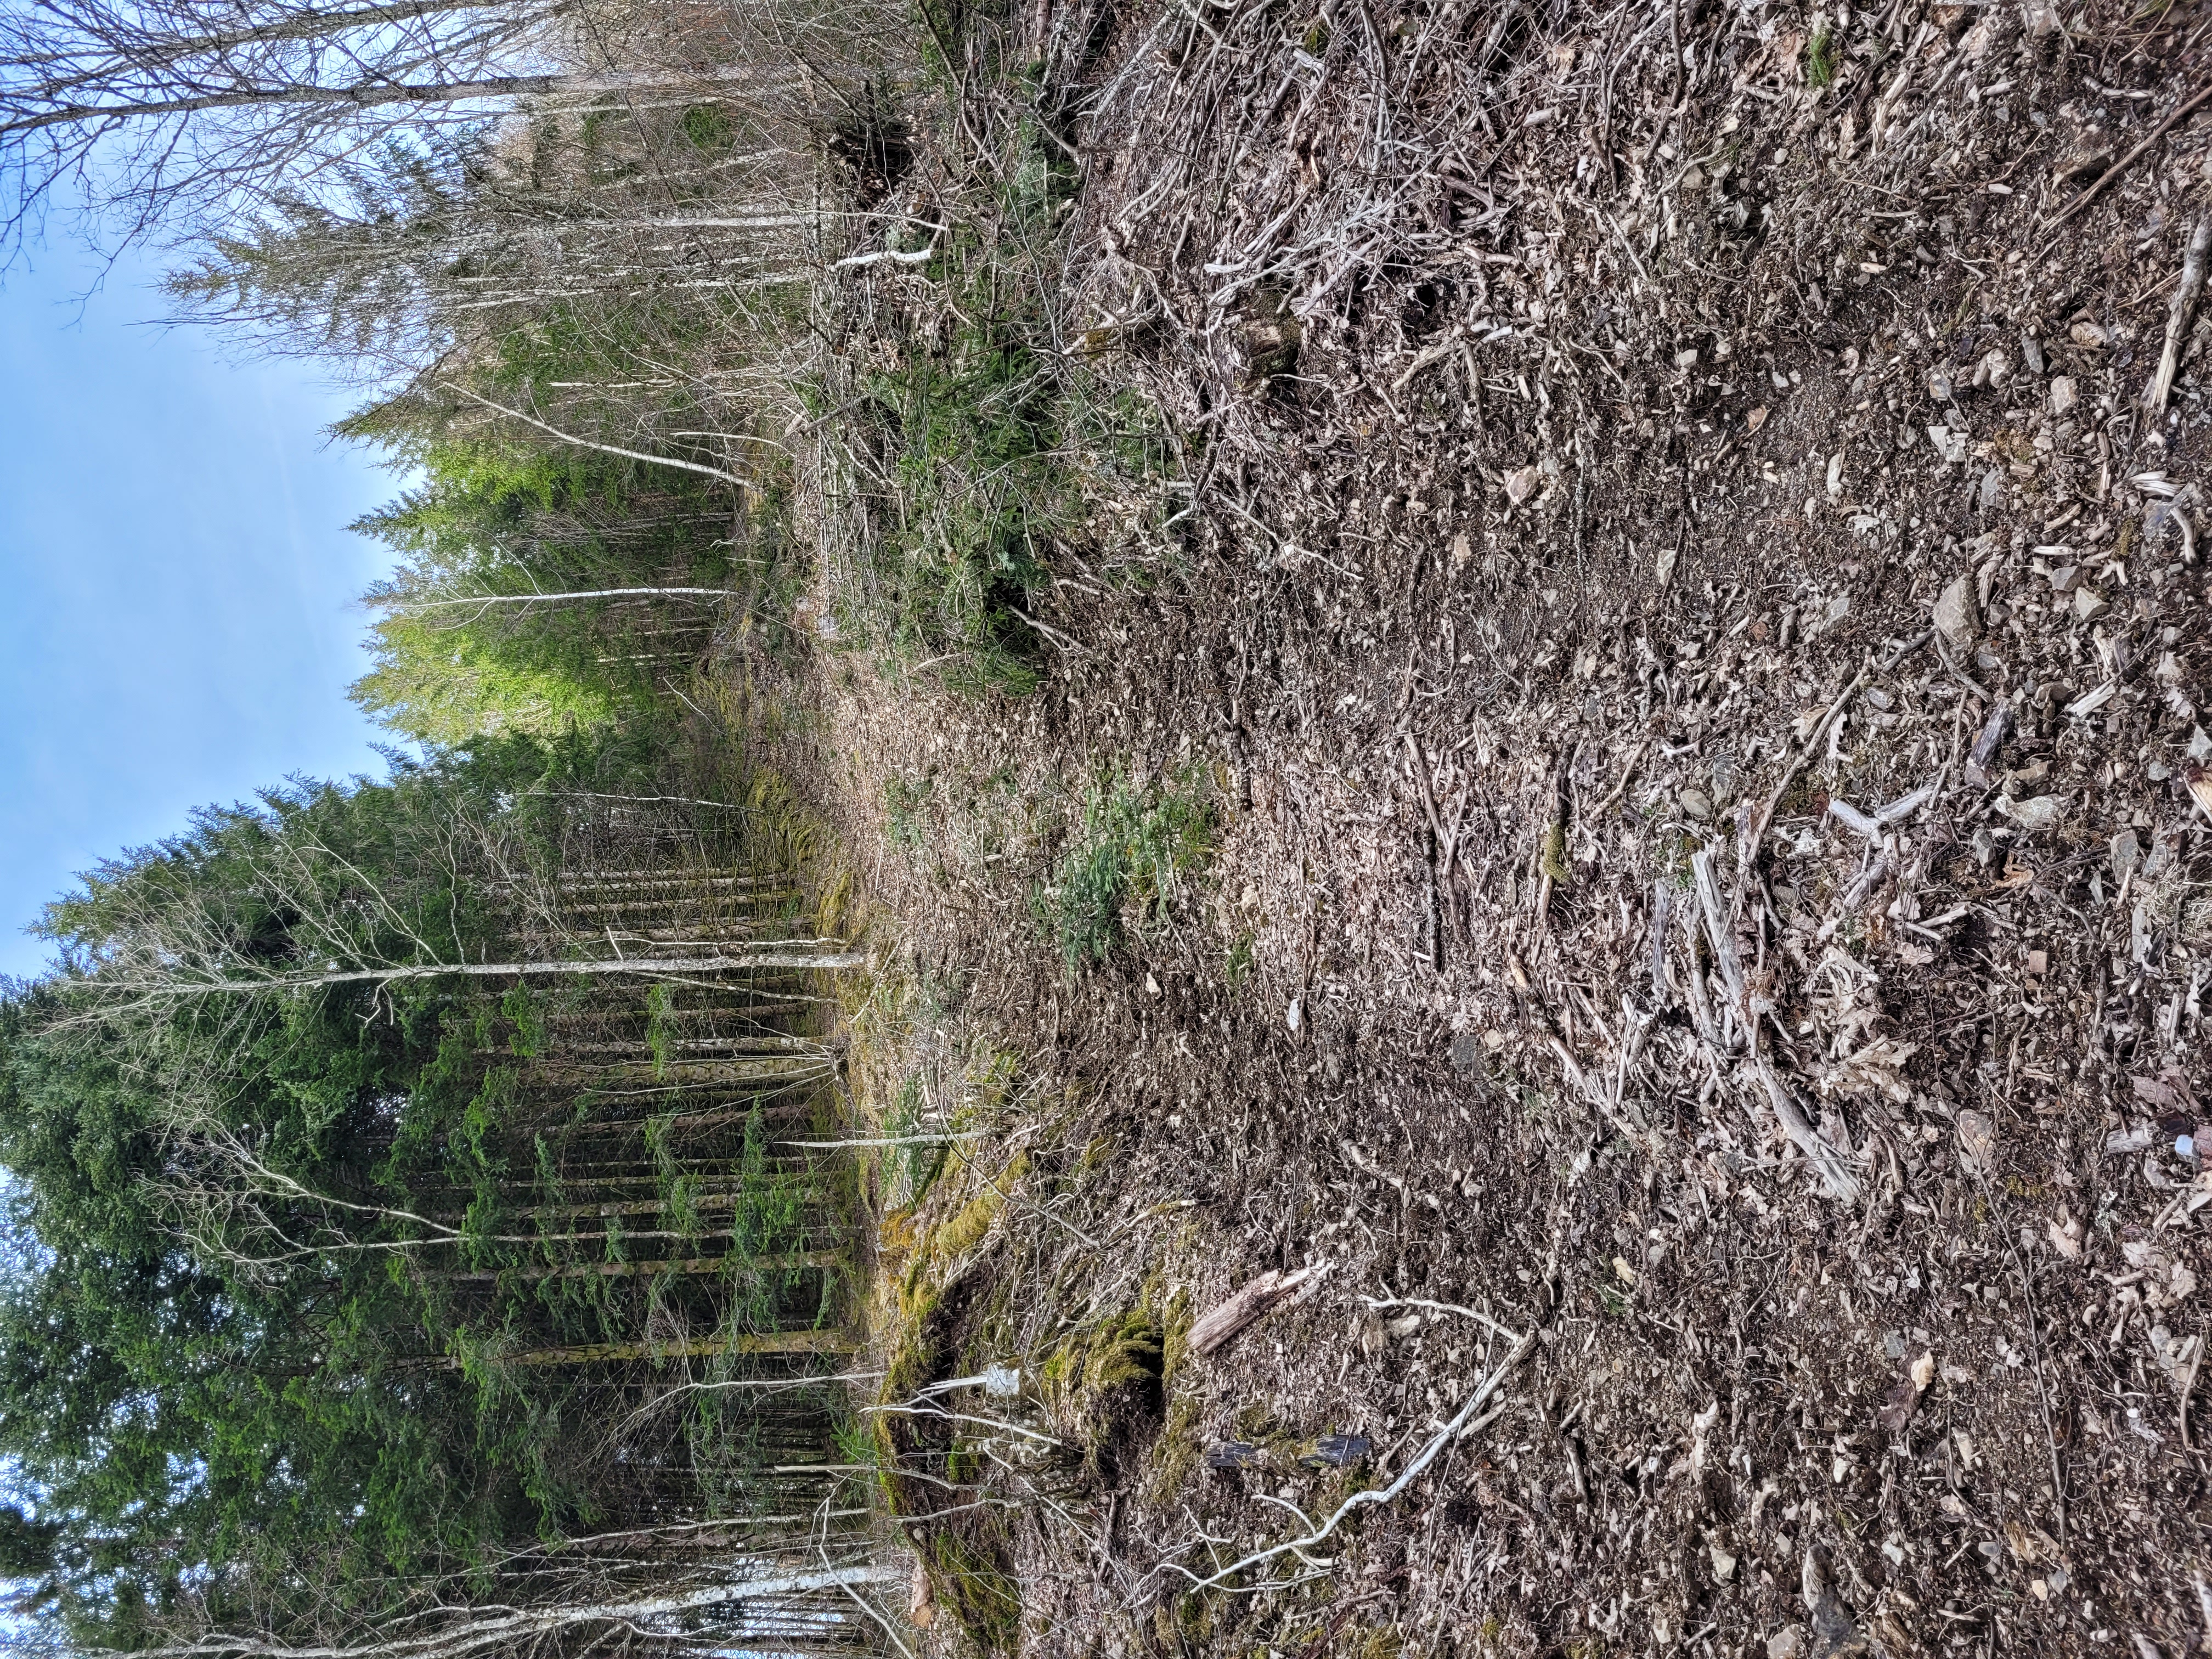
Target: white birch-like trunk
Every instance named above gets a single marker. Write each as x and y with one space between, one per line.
457 1640
787 954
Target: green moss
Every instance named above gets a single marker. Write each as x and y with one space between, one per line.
969 1580
1105 1380
1126 1353
965 1230
1257 1422
1554 863
1176 1455
1189 1618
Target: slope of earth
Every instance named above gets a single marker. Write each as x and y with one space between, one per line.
1647 808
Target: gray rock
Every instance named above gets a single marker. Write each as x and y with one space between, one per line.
2127 852
1836 1629
1955 616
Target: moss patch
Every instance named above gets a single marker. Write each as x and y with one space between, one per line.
966 1574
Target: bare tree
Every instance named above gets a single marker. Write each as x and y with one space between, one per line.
756 1604
177 116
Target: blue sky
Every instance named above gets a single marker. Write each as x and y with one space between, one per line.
178 621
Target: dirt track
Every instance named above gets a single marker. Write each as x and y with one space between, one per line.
1622 495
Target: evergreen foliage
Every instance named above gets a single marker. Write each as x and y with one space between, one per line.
393 1279
497 519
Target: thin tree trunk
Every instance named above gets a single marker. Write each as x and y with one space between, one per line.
580 593
519 1627
711 1264
306 25
791 954
594 1353
589 443
370 94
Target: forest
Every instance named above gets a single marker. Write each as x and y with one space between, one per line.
1354 829
426 1229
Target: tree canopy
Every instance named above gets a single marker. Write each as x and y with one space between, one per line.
321 1295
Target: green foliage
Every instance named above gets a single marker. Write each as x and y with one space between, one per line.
1820 58
912 1168
709 128
271 1265
996 446
1238 967
323 1301
497 521
904 800
981 493
1127 865
156 1387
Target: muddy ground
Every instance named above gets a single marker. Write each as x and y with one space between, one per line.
1689 617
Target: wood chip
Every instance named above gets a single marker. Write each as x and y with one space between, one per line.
1255 1301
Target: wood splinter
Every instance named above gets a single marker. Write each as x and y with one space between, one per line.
2177 317
1259 1297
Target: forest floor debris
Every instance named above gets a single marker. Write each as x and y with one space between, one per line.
1686 636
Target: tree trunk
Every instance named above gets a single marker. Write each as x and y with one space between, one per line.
596 1354
795 953
369 94
519 1627
547 598
711 1264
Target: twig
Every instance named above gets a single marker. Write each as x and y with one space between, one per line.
1410 1473
2188 106
1960 674
1676 19
2188 1387
1620 788
1063 641
2177 319
1435 847
1842 1184
1804 751
1566 1440
1440 1307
